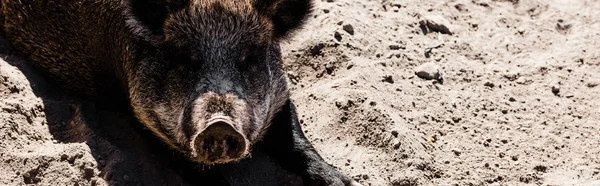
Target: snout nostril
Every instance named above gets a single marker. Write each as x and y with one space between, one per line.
207 143
231 143
220 142
235 145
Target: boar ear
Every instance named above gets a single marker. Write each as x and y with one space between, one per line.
286 15
152 13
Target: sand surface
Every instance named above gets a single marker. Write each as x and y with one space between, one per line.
508 93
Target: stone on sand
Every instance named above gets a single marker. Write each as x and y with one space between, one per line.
436 23
428 71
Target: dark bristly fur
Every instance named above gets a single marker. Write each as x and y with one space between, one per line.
177 64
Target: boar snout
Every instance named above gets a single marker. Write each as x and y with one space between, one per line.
220 142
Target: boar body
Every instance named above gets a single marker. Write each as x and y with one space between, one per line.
204 76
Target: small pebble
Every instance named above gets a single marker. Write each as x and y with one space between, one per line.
456 151
489 84
436 23
428 71
514 158
396 143
461 7
501 155
64 157
540 168
456 119
337 36
348 28
555 90
395 133
388 79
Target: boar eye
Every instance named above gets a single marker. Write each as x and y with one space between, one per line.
178 58
249 57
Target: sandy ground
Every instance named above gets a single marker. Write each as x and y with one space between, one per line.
517 101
